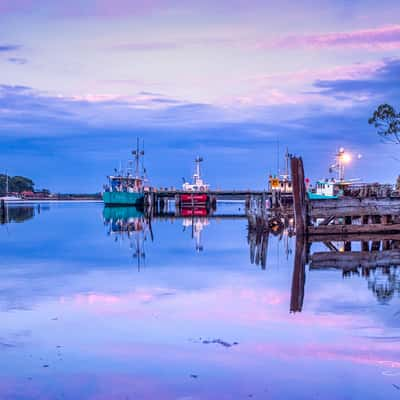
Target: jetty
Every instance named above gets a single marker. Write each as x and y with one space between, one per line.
373 209
159 200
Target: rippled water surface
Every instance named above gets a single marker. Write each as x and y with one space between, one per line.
104 306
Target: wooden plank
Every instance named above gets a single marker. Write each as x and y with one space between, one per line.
351 229
364 237
354 207
354 259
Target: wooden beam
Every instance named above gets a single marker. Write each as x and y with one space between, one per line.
354 207
365 237
352 229
355 259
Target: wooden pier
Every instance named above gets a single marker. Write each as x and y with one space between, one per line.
160 199
347 215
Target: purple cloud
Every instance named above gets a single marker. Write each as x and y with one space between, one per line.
17 60
9 47
384 38
146 46
98 8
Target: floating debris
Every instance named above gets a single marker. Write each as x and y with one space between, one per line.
221 342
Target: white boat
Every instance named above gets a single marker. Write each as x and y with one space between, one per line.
198 184
9 198
332 188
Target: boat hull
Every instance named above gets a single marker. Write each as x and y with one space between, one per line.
194 198
123 199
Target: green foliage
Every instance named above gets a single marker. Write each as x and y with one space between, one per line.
387 122
16 184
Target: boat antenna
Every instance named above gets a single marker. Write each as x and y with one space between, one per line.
277 156
287 163
198 160
6 183
142 154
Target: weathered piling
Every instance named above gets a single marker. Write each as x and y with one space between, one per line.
299 196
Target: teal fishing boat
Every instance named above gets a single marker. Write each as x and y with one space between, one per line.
126 188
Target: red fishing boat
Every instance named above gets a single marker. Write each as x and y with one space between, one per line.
197 192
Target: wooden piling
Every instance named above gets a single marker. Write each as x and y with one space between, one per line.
299 195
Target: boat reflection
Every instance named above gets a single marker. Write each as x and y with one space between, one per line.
196 224
129 223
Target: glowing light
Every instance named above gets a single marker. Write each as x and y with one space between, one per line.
346 157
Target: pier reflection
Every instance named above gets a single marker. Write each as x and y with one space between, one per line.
373 258
376 258
16 213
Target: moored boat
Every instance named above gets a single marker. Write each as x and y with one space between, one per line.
196 192
126 188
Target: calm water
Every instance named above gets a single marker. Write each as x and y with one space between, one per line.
90 313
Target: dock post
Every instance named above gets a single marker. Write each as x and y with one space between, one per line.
299 196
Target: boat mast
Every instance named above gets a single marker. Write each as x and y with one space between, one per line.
6 183
137 153
287 164
198 160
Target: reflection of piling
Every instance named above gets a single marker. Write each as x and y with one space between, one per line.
3 211
258 239
299 276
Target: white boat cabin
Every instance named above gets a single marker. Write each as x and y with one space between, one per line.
328 188
198 184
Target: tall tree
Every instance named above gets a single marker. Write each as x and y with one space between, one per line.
16 184
387 122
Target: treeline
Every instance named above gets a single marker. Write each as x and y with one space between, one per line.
16 184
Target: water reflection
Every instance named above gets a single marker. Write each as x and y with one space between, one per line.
132 224
78 322
129 224
19 213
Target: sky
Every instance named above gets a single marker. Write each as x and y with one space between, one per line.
234 81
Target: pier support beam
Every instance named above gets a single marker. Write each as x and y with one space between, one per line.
299 196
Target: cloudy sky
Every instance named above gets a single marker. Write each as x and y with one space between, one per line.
233 81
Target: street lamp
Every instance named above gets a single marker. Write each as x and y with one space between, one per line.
341 159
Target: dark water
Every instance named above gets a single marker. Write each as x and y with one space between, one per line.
90 313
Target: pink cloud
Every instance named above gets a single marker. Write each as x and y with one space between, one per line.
147 46
353 71
385 38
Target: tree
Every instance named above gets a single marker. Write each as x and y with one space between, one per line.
387 122
16 184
